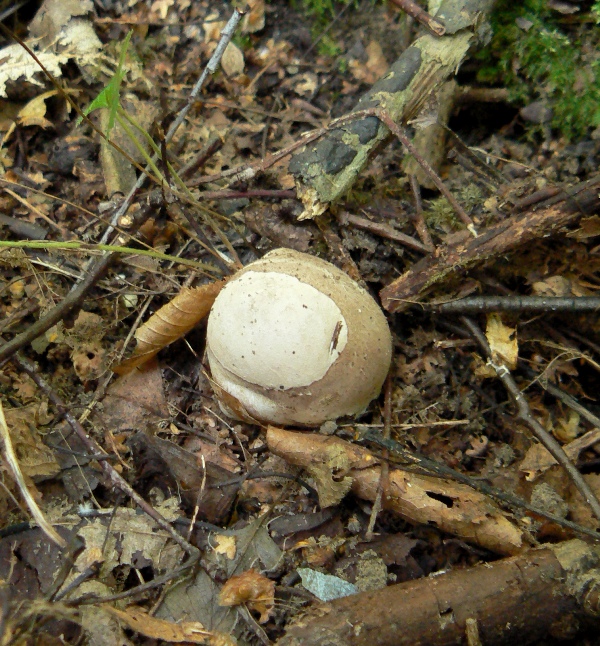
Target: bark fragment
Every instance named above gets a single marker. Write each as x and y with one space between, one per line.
516 600
453 507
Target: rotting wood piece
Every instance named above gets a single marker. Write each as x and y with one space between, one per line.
326 170
452 507
516 600
492 242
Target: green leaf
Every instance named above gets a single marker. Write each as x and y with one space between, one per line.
109 97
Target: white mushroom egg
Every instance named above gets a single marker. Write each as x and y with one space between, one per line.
293 340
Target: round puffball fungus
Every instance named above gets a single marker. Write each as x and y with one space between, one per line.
292 340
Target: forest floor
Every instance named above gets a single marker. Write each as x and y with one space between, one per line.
132 510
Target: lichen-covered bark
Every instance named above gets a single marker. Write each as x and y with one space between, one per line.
326 169
501 238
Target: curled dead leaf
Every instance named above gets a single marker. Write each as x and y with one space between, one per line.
186 631
251 588
171 322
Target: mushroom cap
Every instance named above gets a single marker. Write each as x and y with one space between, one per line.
294 340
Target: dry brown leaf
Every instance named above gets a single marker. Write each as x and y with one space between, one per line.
566 428
89 361
33 113
251 588
37 461
135 400
373 68
553 286
171 322
186 631
538 459
254 19
330 477
589 228
503 341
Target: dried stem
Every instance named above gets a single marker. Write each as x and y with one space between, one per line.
97 268
526 415
419 220
419 14
476 304
13 463
384 474
112 475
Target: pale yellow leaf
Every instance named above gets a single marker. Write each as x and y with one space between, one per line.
233 60
503 341
226 545
34 113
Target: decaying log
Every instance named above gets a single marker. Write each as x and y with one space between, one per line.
492 242
452 507
517 600
325 170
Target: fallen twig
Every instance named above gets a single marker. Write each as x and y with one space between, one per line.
416 498
514 600
476 304
111 474
13 463
497 240
410 459
416 12
526 415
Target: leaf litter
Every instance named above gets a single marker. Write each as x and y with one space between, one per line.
159 423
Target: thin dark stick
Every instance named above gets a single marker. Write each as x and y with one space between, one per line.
525 414
325 31
246 172
402 458
213 146
429 22
259 475
112 475
279 194
381 229
589 343
554 194
475 304
567 399
382 485
418 218
68 304
7 12
385 118
144 587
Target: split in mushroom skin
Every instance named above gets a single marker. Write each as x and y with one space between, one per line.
295 341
